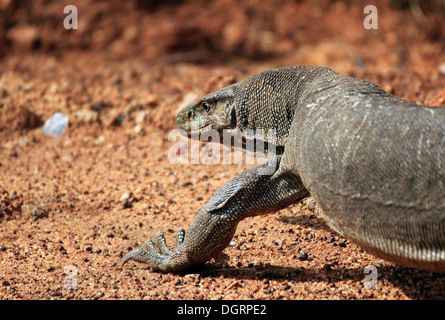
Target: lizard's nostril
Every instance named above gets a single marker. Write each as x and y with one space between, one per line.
189 115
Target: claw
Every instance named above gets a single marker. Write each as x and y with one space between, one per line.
181 236
150 247
146 253
161 243
150 254
139 255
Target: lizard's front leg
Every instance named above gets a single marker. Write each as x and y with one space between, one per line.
250 193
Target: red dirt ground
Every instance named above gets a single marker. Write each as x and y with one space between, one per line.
82 201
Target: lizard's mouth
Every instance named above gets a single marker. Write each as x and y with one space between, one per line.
196 131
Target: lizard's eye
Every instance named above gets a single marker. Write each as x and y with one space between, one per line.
206 106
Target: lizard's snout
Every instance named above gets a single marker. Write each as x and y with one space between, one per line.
184 118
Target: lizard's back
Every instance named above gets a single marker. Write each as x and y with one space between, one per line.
376 166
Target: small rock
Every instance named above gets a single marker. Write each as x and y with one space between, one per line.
116 80
133 105
34 211
127 200
56 125
139 129
152 100
259 266
3 92
24 38
125 197
302 256
86 115
442 68
115 118
141 116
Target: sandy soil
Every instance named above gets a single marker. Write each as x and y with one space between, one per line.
72 207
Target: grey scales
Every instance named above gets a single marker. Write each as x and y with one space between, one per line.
373 164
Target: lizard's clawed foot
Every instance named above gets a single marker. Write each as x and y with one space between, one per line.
158 255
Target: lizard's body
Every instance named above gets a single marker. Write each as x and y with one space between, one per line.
373 163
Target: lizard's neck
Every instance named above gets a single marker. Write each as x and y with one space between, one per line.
265 103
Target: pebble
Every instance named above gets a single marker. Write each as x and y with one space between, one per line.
141 116
302 256
86 115
24 37
56 125
442 68
33 211
127 199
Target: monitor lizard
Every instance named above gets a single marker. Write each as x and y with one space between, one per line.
373 163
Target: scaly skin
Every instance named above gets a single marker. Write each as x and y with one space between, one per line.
373 163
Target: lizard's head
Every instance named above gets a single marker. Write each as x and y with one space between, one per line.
214 111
